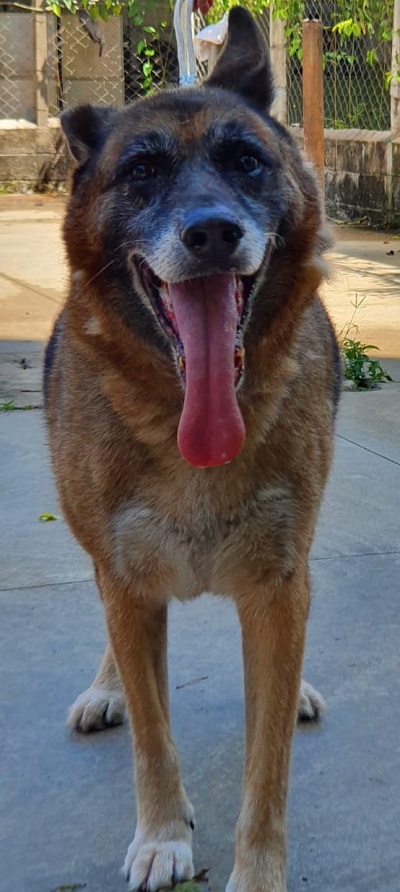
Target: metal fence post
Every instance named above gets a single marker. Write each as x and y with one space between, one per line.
277 46
40 43
313 93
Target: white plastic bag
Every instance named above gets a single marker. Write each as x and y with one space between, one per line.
210 37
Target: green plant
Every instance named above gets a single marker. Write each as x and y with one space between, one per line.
96 8
364 372
7 406
146 52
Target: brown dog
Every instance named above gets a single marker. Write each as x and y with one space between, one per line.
191 384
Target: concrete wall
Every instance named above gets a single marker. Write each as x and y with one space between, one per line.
362 168
362 176
26 151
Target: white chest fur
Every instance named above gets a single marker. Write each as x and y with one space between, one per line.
164 554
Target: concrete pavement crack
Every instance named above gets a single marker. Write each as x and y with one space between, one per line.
367 449
26 285
26 588
340 557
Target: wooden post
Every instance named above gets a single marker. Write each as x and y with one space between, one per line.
313 94
277 46
41 97
395 85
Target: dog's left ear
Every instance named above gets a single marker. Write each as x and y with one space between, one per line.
86 128
244 65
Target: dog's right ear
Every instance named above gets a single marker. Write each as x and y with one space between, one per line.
86 128
243 66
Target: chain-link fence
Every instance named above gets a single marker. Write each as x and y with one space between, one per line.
114 62
110 63
17 63
356 68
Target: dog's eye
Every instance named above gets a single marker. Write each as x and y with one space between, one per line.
142 170
249 164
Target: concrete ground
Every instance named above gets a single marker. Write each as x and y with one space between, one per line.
66 805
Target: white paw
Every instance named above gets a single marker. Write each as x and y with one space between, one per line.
311 704
158 865
96 709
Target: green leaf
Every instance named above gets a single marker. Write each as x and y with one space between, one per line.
46 517
70 887
7 406
55 8
149 29
371 57
103 12
141 46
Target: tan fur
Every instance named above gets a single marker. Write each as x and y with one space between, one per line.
169 529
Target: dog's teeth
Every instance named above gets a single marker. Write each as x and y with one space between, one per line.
239 296
239 354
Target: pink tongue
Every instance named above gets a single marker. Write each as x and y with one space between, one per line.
211 429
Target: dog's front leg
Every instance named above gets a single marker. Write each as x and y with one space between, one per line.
273 623
161 851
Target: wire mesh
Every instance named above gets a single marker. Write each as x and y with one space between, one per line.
134 60
115 62
356 93
16 64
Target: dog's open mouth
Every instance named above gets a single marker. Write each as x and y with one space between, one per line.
204 320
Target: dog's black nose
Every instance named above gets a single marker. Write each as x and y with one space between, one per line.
210 235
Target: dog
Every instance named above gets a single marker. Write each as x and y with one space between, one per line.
191 385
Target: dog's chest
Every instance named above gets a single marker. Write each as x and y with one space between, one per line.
184 553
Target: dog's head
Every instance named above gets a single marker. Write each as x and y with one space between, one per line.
184 197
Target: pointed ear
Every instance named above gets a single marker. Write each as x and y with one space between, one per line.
244 65
86 128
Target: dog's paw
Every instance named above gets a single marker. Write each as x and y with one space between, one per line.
158 865
96 709
311 704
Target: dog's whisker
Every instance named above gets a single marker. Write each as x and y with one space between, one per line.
100 271
274 237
